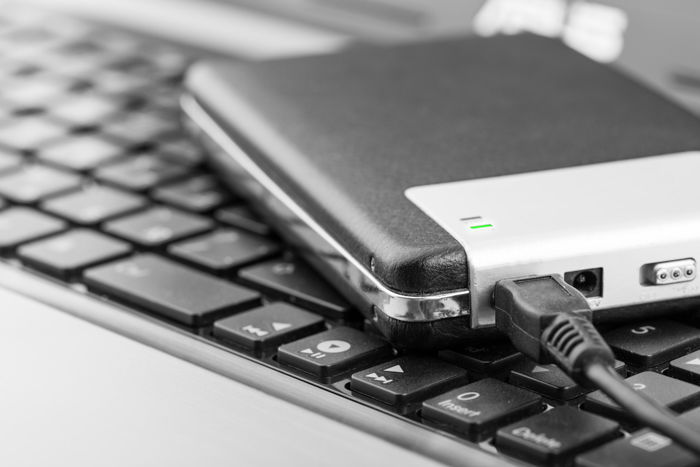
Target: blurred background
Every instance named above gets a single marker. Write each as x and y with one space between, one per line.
654 41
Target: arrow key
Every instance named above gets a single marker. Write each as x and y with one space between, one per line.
549 380
407 379
485 359
686 368
268 327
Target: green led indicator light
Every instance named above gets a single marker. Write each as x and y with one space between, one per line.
482 226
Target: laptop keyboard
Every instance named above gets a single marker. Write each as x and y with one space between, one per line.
100 187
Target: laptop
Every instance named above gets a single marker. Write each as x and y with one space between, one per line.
143 305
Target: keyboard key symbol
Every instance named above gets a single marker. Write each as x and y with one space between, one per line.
280 326
312 354
283 269
333 346
326 347
131 269
468 396
378 378
640 331
651 442
250 329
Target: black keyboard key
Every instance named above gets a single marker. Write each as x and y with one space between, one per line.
692 417
243 218
651 343
268 327
686 368
333 352
224 249
87 109
137 65
77 68
33 183
68 63
9 160
198 194
117 82
141 173
94 204
179 148
14 70
142 128
81 152
36 92
407 379
82 50
644 448
477 410
296 282
675 394
65 254
485 360
555 436
157 226
549 380
20 225
169 289
164 100
29 133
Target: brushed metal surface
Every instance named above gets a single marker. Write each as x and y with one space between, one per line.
77 394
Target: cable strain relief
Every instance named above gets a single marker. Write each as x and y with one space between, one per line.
574 343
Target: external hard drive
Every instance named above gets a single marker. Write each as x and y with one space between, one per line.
415 177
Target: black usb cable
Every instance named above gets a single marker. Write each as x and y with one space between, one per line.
549 321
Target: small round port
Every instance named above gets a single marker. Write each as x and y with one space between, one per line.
689 272
661 275
585 281
676 273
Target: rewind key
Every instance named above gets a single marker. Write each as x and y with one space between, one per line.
268 327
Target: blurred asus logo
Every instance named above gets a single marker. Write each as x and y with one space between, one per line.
594 29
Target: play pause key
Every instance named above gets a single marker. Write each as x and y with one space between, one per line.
267 327
333 352
407 379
